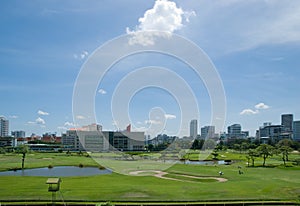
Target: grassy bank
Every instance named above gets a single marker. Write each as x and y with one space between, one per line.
277 183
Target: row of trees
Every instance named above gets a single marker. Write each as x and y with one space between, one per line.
265 151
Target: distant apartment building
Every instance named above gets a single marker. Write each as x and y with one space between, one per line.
97 141
126 141
193 128
273 133
70 140
296 131
8 141
51 138
18 134
161 139
4 127
235 132
92 127
287 122
208 132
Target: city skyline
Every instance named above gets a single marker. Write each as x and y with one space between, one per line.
288 125
44 45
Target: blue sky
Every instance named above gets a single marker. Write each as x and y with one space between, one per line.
254 45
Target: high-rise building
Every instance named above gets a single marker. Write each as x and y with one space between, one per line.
271 133
287 122
18 134
208 132
4 127
194 128
234 130
296 131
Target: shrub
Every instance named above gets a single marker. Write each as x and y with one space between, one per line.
50 166
80 165
101 167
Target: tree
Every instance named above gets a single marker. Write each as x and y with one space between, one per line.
237 147
265 151
284 150
215 154
195 144
285 147
245 146
209 144
23 149
252 154
150 147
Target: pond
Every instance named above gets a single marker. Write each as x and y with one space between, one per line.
60 171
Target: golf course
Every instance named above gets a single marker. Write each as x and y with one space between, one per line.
142 179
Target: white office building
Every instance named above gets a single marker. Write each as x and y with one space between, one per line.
194 128
4 127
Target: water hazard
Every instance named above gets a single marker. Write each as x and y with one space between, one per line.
61 171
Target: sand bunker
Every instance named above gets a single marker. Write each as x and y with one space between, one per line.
160 174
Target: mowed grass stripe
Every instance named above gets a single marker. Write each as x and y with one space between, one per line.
190 179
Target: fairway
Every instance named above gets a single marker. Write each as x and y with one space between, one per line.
193 182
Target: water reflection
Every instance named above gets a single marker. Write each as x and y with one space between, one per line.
61 171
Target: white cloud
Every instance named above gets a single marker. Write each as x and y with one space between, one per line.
40 121
165 16
66 126
13 117
262 106
150 121
62 128
249 112
40 112
102 91
259 106
69 124
170 116
81 56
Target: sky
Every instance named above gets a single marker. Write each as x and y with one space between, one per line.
45 45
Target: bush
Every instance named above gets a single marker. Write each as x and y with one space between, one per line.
80 165
101 167
50 166
2 150
14 169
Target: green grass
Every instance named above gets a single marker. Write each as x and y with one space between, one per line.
36 160
190 179
277 183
